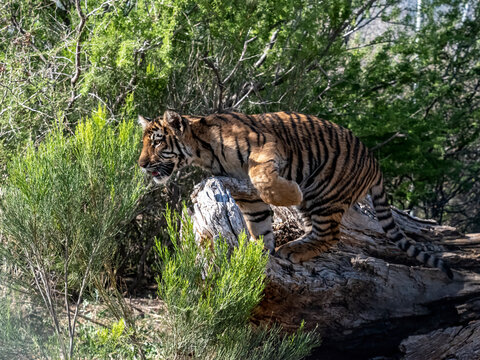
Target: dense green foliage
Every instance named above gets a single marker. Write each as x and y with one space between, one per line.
71 193
211 296
388 72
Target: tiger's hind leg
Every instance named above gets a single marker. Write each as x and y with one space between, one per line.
258 217
324 233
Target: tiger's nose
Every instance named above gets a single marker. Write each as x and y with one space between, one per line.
143 162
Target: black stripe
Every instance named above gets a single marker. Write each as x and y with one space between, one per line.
397 237
248 200
387 227
384 217
257 213
208 147
239 153
284 136
243 119
296 143
220 135
323 222
279 122
265 233
325 211
328 182
177 144
311 130
319 231
375 198
260 218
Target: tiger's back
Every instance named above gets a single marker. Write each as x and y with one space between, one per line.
292 159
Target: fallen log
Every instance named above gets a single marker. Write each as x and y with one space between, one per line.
364 296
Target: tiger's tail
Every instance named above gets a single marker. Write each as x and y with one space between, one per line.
385 218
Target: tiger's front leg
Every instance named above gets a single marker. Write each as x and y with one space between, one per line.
258 217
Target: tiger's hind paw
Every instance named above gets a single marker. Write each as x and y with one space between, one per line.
295 253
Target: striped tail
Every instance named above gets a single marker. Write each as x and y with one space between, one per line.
385 218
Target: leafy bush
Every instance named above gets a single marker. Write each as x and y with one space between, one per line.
210 298
113 342
65 201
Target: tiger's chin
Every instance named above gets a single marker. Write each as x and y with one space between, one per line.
161 180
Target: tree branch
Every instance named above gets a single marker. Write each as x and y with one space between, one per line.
273 40
220 84
394 136
78 48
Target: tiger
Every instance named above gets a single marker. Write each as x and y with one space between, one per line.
292 159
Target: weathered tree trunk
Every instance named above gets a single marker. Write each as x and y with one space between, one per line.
364 296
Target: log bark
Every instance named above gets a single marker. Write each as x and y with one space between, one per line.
365 297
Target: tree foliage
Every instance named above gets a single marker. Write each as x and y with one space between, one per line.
363 64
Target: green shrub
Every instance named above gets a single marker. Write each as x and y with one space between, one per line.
105 343
65 201
210 298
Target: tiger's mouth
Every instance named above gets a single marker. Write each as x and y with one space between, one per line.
162 172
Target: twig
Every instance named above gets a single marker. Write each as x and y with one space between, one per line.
91 320
220 84
21 31
273 40
396 135
67 305
78 48
242 58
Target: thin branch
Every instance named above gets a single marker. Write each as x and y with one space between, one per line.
91 320
67 305
23 32
242 58
394 136
250 89
273 40
80 293
221 86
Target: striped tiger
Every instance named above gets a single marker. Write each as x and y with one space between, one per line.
292 159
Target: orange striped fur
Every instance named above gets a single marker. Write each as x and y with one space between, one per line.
292 159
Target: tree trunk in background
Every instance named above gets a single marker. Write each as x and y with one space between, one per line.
364 296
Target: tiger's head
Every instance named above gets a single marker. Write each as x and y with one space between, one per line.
164 150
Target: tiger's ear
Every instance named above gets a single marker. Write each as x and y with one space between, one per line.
142 121
175 121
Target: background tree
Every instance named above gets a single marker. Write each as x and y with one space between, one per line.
367 65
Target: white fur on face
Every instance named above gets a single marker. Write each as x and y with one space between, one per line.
161 181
